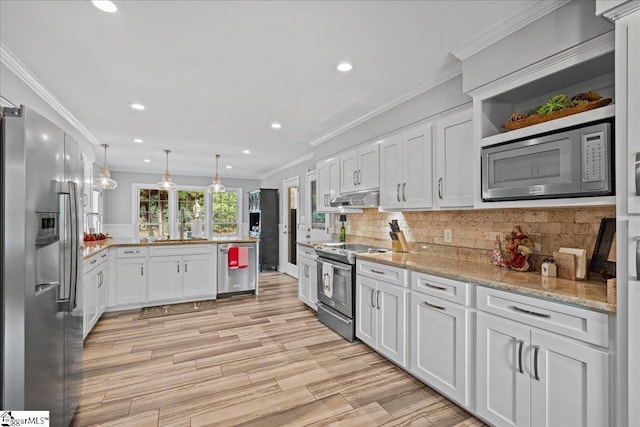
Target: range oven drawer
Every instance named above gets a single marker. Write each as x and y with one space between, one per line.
340 323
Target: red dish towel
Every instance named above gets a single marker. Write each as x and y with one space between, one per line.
243 256
233 258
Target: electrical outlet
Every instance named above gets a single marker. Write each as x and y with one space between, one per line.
448 235
536 247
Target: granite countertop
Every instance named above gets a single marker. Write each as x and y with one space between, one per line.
589 294
92 248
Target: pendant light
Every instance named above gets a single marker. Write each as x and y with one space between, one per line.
104 181
217 186
166 183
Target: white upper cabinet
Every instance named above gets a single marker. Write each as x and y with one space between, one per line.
454 160
359 169
328 185
405 169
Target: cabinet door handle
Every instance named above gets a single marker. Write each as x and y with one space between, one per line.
142 269
532 313
354 178
186 266
372 304
103 255
93 261
378 300
178 263
536 350
637 174
520 345
377 271
438 307
359 177
440 188
440 288
404 194
131 252
398 192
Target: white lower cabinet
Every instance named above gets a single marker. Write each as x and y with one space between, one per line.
94 290
381 317
199 277
529 377
439 345
307 277
165 277
131 276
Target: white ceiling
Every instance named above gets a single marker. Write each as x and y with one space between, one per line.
214 75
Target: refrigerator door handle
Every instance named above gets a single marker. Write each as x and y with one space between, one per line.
74 198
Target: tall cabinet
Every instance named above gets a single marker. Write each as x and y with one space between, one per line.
263 225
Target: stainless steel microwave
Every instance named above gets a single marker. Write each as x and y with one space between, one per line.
570 163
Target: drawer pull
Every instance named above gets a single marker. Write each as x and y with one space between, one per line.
131 252
428 304
535 362
533 313
93 261
103 255
520 345
440 288
377 271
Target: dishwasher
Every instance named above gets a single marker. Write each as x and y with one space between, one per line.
239 279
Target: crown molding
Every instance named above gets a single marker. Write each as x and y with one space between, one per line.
454 71
13 63
593 48
622 10
507 26
293 163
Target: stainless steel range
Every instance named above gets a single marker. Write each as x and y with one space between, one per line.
336 285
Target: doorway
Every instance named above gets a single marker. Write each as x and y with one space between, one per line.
289 235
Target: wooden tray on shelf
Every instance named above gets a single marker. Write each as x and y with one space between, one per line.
534 119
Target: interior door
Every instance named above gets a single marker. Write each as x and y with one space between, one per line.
290 225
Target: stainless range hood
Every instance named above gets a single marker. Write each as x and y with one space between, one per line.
368 199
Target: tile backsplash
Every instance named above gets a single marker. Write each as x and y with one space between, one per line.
474 231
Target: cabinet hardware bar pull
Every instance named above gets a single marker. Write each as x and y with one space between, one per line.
377 271
178 264
520 345
637 165
536 349
185 266
354 178
533 313
440 188
428 304
359 177
142 269
372 304
131 252
404 195
398 192
103 255
440 288
378 300
94 261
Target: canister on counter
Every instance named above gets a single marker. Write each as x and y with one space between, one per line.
549 268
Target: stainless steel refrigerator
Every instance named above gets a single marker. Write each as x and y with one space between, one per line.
41 266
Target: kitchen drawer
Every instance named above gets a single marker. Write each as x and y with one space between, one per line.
306 252
393 275
180 250
132 252
447 289
579 323
94 261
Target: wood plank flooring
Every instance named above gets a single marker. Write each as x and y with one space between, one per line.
254 361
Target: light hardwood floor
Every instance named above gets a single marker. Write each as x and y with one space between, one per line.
262 360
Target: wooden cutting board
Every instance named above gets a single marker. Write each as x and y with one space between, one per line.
566 265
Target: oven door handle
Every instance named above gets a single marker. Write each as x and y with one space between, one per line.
334 265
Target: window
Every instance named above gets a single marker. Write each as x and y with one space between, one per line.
226 212
153 212
191 211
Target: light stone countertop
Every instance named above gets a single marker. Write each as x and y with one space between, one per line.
589 294
92 248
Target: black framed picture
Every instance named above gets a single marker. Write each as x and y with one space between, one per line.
603 261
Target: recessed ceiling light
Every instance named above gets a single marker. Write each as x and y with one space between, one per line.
229 166
105 5
246 151
138 141
147 160
276 125
137 106
344 67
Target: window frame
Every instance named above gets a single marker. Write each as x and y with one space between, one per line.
239 212
135 207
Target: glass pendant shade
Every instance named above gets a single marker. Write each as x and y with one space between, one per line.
217 186
104 181
167 183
